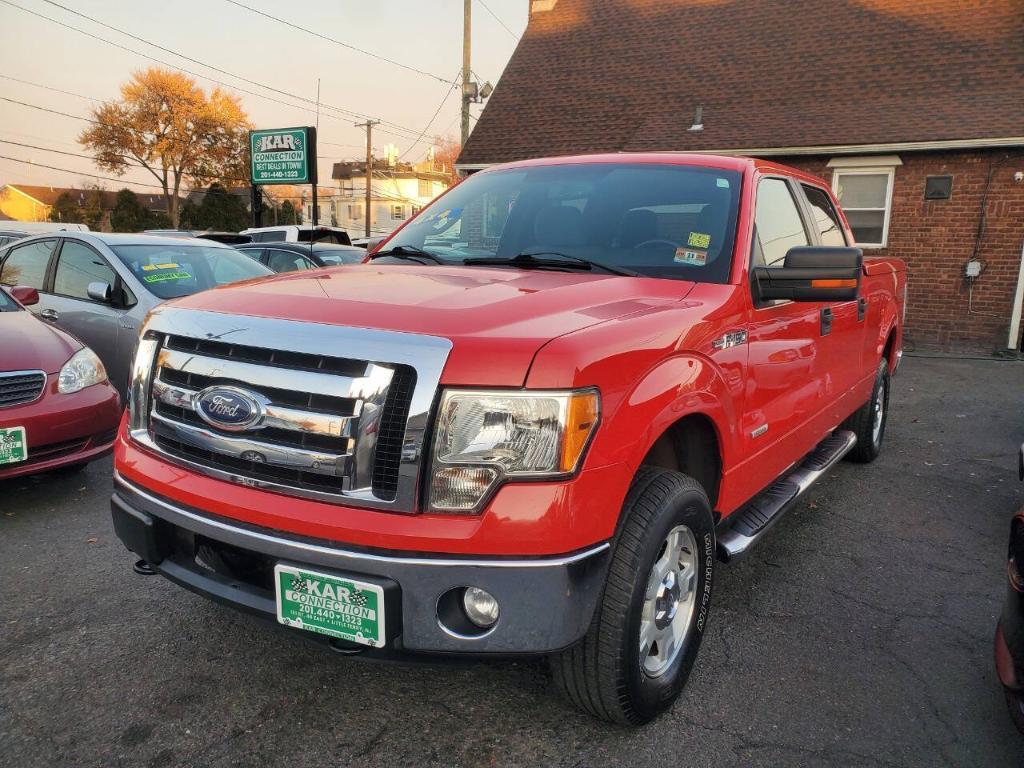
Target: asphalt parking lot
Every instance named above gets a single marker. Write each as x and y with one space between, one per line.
858 634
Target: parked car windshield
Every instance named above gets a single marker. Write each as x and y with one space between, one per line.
171 271
657 220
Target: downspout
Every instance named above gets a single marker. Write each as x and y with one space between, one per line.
1018 301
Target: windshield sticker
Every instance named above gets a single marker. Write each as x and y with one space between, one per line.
722 183
154 267
699 240
692 256
163 277
444 218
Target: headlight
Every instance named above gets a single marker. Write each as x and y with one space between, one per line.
83 370
485 437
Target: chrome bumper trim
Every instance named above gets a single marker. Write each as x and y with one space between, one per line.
237 532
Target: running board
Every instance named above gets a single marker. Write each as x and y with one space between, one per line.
745 526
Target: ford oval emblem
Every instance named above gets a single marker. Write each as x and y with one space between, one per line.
229 408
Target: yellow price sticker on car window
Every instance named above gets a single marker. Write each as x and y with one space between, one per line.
154 267
699 240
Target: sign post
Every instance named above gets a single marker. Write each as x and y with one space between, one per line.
284 156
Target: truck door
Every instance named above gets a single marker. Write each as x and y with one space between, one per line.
843 345
786 370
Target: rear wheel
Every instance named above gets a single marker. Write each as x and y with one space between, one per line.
647 629
868 421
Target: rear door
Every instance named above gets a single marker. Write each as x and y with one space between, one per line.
96 323
844 343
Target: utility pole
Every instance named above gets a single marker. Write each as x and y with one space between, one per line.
467 95
368 125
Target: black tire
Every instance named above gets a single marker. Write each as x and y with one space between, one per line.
603 674
862 421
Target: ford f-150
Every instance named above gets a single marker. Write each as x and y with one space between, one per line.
530 423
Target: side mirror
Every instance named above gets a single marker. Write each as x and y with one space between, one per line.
104 291
24 295
812 273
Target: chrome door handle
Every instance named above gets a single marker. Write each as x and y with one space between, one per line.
49 314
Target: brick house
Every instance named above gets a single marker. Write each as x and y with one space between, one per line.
912 109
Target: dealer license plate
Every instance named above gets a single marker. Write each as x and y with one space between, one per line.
13 445
330 605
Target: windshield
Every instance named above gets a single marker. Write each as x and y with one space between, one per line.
174 270
657 220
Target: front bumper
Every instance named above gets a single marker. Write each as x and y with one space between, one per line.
64 429
546 603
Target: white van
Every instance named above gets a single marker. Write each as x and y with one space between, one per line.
298 233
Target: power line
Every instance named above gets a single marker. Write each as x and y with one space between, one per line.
333 40
80 173
455 84
200 63
108 125
497 18
49 88
410 131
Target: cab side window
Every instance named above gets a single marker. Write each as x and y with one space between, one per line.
77 266
825 217
778 222
26 264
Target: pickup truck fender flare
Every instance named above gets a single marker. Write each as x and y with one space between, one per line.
888 326
681 386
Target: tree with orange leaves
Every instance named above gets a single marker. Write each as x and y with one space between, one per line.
165 123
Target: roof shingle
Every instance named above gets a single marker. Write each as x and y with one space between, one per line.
628 75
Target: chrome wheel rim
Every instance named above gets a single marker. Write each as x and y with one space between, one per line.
876 427
669 601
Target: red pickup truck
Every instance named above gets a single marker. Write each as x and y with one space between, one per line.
529 424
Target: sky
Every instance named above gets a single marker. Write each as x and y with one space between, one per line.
424 35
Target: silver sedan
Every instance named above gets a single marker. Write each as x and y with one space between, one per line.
100 286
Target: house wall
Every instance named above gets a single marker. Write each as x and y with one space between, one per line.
388 194
21 207
936 238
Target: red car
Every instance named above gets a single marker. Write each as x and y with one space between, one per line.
529 424
57 408
1009 643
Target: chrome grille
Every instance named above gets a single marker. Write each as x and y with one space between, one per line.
19 387
339 427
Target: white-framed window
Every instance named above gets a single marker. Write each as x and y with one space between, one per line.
398 212
416 209
863 186
355 211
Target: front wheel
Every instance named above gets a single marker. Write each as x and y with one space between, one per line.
646 631
868 421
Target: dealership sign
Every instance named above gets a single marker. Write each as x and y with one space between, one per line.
283 156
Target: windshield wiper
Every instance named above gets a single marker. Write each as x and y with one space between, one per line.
540 259
410 252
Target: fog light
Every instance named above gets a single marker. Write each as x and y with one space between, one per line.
480 606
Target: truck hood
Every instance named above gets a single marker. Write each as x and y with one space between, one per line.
497 319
